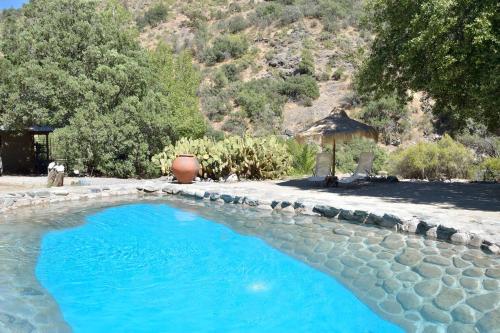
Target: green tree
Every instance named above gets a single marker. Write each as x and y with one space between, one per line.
449 49
78 66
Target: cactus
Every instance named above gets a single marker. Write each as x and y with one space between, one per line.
247 157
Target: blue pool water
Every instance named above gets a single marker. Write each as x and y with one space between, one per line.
155 268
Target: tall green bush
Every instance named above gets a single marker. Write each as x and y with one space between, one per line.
389 116
156 14
303 157
300 87
444 159
247 157
348 153
224 47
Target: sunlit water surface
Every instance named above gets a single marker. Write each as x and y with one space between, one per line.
155 268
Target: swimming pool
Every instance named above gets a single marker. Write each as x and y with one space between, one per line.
190 266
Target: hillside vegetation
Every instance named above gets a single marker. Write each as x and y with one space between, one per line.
267 66
124 81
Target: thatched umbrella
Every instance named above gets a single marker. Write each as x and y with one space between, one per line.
337 127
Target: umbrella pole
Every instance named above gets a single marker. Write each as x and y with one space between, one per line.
333 165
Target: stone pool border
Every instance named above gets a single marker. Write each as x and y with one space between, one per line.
12 200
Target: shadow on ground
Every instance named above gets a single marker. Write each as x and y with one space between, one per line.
474 196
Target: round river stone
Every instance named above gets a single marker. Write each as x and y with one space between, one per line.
391 307
448 297
408 300
391 286
473 272
469 283
437 260
493 273
490 322
409 257
427 288
463 314
432 313
490 284
428 271
484 302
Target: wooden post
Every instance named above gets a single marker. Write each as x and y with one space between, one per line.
47 147
333 164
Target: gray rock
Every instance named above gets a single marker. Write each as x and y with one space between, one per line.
147 189
448 280
448 297
61 193
469 283
459 263
433 314
432 233
384 274
251 202
327 211
460 328
392 286
323 247
428 271
390 221
343 231
408 300
334 265
227 198
463 314
445 233
373 219
391 307
491 285
473 272
475 240
484 302
482 262
460 238
409 257
452 271
347 215
351 261
437 260
393 242
408 276
427 288
214 196
490 322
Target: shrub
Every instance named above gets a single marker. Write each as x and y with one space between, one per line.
490 169
300 87
389 116
258 97
236 24
290 14
266 13
235 125
433 160
224 47
231 71
306 64
303 157
250 158
153 16
348 154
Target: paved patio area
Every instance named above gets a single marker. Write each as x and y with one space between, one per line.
471 207
466 206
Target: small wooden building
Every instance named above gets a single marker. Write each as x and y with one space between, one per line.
26 151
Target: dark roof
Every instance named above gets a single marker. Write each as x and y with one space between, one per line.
35 129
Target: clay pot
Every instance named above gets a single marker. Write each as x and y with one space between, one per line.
185 168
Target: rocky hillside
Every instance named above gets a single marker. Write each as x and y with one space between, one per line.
267 66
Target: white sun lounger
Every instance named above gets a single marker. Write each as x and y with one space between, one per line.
323 167
363 170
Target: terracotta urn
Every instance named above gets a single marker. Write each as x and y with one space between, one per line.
185 168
